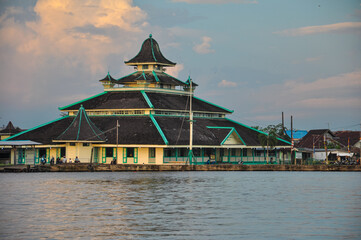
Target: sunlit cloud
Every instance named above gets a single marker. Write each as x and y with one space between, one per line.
313 59
340 91
85 32
204 47
217 1
66 37
225 83
344 27
174 71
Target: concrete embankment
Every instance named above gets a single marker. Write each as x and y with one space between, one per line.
83 167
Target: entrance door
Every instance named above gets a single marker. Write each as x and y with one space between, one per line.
21 156
42 152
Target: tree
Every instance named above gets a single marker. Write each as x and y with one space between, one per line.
269 140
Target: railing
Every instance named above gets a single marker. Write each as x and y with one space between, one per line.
249 160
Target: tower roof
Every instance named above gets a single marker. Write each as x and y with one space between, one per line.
10 129
153 77
150 53
81 129
108 77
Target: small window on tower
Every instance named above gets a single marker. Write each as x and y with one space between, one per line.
145 67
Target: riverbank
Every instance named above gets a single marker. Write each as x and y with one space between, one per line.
84 167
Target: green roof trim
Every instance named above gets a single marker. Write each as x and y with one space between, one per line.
151 46
86 99
81 109
155 76
159 129
142 75
127 75
230 132
39 126
147 99
188 82
231 111
90 124
257 130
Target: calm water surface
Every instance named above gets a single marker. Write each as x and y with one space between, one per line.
181 205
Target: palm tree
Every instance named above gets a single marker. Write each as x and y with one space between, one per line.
269 140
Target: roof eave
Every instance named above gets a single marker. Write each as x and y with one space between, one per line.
142 63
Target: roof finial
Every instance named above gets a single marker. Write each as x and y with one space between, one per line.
150 35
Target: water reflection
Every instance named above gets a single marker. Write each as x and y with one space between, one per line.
180 205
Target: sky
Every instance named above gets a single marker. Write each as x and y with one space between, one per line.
257 57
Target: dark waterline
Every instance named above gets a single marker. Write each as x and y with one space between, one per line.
181 205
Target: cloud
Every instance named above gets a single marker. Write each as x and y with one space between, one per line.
225 83
217 1
174 71
204 47
335 92
83 32
344 27
64 49
313 59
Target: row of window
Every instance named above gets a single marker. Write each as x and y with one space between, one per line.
146 66
209 152
209 115
118 112
84 144
109 152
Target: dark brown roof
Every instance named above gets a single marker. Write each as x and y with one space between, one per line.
343 136
181 102
314 137
136 100
206 136
81 129
111 100
150 53
108 77
152 77
10 129
132 130
45 133
142 130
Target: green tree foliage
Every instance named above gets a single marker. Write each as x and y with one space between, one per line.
269 140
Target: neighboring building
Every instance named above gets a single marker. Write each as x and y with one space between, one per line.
350 139
316 143
145 120
9 130
297 134
5 152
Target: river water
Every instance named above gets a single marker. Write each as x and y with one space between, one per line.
181 205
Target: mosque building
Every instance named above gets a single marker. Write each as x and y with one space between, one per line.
146 117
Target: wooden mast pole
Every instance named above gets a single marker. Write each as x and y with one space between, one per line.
292 143
117 138
190 155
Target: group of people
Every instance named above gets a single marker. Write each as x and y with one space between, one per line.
59 160
113 162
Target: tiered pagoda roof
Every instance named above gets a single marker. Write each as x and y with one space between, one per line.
148 130
152 77
81 129
145 100
161 121
150 53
